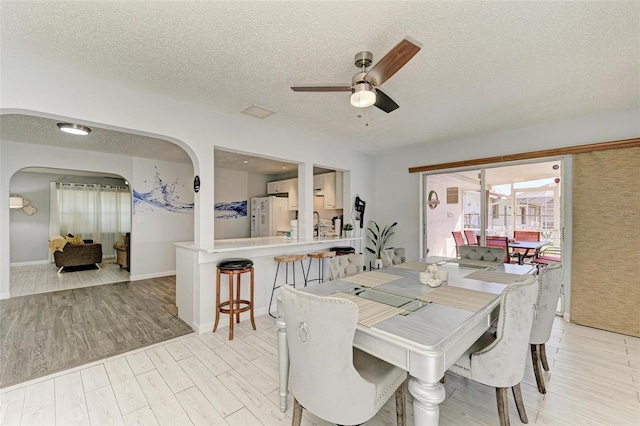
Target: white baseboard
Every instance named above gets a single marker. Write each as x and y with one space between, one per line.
31 262
4 296
567 317
153 275
224 321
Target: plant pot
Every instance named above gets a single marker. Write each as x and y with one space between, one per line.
377 264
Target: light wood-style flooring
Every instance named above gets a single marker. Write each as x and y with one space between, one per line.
44 278
206 379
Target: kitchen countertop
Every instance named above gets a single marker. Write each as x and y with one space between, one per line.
238 244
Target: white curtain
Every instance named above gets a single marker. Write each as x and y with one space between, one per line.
101 213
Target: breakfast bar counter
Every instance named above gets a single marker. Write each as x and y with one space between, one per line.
196 271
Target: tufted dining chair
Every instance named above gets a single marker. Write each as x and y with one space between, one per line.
483 253
345 266
499 360
549 287
393 256
328 376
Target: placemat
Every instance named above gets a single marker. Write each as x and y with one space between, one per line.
371 312
493 276
462 298
471 262
371 279
414 266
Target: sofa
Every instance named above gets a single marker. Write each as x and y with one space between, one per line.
88 253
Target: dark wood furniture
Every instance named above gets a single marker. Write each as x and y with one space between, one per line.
235 305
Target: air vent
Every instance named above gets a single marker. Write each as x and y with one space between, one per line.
257 111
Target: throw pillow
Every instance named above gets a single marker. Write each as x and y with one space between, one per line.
74 240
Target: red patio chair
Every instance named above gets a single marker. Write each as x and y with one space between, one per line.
525 236
459 239
471 237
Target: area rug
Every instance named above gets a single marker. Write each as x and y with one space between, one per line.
49 332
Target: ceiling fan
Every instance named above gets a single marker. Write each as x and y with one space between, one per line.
365 84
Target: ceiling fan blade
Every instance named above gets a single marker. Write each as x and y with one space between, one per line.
384 102
392 62
321 89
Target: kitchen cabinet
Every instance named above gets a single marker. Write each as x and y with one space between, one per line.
293 194
278 187
287 186
329 185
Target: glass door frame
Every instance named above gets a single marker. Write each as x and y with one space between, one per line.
565 209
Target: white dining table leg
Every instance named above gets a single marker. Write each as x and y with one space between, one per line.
426 400
283 362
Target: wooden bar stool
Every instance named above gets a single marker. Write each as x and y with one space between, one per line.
321 256
235 305
287 259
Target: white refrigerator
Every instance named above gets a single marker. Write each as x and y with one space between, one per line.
269 215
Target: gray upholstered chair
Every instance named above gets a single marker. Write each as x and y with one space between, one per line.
345 266
328 377
550 285
499 360
486 254
393 256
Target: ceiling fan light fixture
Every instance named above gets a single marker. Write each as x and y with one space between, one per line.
74 129
363 95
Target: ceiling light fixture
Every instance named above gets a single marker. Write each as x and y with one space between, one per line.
363 95
74 129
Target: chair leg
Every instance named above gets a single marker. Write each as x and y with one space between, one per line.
231 307
535 360
503 407
296 418
253 321
237 297
543 357
275 280
517 396
217 307
401 405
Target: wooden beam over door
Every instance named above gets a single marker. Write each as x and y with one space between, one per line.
578 149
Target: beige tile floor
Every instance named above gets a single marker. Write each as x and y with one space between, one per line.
206 379
43 278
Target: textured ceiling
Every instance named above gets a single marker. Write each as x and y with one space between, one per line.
483 67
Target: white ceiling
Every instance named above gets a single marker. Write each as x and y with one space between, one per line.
483 67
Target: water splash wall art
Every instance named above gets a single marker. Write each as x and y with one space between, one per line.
231 210
162 195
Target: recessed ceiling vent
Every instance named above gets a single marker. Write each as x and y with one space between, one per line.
257 111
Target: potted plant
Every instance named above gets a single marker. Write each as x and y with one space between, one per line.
348 229
378 239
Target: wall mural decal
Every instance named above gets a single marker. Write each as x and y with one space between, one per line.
162 195
231 210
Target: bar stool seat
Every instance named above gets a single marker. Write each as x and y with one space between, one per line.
321 256
341 251
235 305
287 259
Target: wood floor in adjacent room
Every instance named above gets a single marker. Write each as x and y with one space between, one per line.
47 332
206 379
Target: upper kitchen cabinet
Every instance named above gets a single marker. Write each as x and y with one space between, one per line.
329 186
288 187
278 187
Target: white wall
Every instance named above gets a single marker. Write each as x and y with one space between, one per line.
161 220
30 234
31 86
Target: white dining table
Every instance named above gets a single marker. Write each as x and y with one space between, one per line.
426 342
